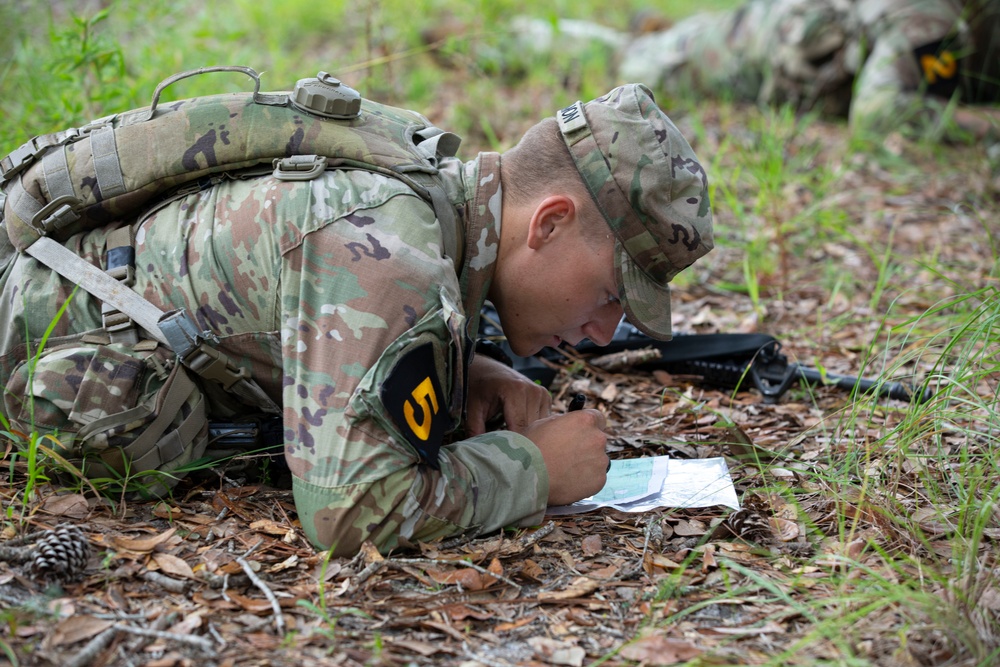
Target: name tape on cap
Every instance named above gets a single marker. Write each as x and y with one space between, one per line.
571 118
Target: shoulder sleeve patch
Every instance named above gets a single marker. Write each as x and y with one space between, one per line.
414 399
938 67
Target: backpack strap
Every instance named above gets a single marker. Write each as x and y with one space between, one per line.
174 329
155 447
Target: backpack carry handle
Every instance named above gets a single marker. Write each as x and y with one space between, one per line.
249 71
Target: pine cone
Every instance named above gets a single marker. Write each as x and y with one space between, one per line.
61 554
749 525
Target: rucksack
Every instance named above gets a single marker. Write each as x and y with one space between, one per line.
114 168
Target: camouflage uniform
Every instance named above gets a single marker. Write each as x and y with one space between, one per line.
873 59
323 289
337 295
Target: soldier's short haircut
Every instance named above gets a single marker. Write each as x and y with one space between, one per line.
539 165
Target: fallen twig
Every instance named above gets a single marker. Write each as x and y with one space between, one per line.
89 652
192 640
279 620
531 538
16 554
169 583
462 563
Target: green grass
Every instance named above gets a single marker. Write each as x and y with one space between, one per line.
65 64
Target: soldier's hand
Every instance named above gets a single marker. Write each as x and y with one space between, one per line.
573 448
498 389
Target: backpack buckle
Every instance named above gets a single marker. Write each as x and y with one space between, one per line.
18 160
211 364
55 215
299 167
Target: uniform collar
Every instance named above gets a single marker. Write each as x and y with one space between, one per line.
481 216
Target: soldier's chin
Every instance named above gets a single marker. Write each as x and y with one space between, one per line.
524 348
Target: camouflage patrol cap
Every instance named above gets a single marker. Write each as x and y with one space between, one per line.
652 191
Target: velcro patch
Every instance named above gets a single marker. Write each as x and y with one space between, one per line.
414 399
938 67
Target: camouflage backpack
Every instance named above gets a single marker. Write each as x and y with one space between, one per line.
113 169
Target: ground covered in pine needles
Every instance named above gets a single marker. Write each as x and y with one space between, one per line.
867 535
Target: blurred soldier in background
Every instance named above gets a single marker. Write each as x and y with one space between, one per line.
884 63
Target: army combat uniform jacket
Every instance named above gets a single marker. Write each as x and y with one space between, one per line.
339 296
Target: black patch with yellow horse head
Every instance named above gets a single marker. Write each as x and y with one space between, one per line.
414 398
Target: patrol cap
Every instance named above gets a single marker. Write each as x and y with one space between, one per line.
652 191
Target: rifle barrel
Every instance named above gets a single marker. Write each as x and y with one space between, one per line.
894 390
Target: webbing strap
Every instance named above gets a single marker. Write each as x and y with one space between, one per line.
172 445
202 359
151 440
106 163
78 270
21 203
55 169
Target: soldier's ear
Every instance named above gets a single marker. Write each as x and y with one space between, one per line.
551 217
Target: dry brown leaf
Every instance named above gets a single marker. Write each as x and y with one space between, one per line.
467 578
514 625
785 530
581 586
660 650
165 511
370 552
253 605
708 561
142 544
532 570
689 527
742 447
419 647
78 628
289 562
557 652
653 561
173 565
270 527
591 545
604 572
495 568
189 624
71 506
460 612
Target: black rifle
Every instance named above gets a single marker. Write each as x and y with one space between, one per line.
735 362
729 361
